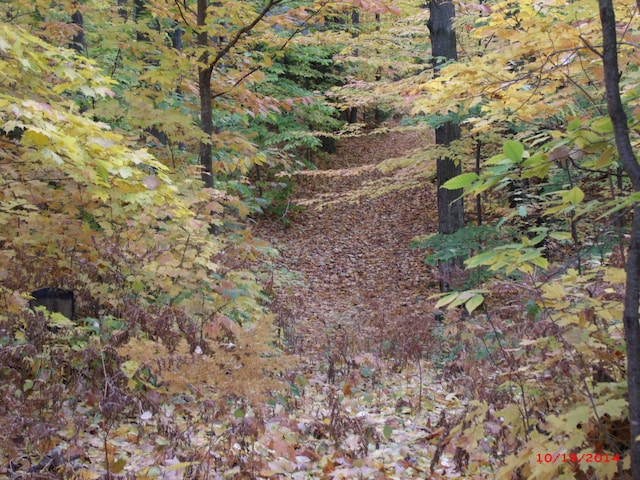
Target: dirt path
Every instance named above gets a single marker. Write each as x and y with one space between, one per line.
365 288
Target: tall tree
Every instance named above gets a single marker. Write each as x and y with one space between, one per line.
205 69
631 166
450 203
207 62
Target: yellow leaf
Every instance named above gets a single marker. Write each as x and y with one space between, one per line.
130 368
573 196
615 275
32 138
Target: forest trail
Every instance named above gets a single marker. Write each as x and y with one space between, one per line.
364 287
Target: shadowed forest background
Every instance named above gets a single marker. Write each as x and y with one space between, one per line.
317 239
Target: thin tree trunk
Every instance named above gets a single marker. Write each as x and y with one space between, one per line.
204 84
78 41
450 203
631 166
478 197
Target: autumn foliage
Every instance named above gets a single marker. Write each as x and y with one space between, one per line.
175 366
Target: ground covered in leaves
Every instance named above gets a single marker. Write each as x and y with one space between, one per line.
362 283
351 300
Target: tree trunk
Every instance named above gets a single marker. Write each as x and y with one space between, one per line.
78 42
122 11
138 13
450 203
205 69
632 168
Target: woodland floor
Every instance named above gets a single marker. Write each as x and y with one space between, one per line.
361 278
354 309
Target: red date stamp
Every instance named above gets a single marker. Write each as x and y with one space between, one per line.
576 458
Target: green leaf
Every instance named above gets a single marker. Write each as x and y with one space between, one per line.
536 159
474 302
59 320
496 160
602 125
447 299
485 258
513 150
387 431
540 262
530 256
461 181
573 196
560 235
574 124
533 241
605 158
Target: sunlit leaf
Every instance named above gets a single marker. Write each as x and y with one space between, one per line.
460 181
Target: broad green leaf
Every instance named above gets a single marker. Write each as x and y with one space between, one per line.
596 147
540 262
533 241
485 258
602 125
496 160
573 196
461 181
537 165
560 235
536 159
513 150
462 298
605 158
574 124
530 256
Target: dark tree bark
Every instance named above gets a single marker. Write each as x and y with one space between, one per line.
450 203
632 168
176 38
122 11
204 84
78 41
138 13
478 198
207 63
443 36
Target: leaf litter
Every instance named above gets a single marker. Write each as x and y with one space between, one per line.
360 400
